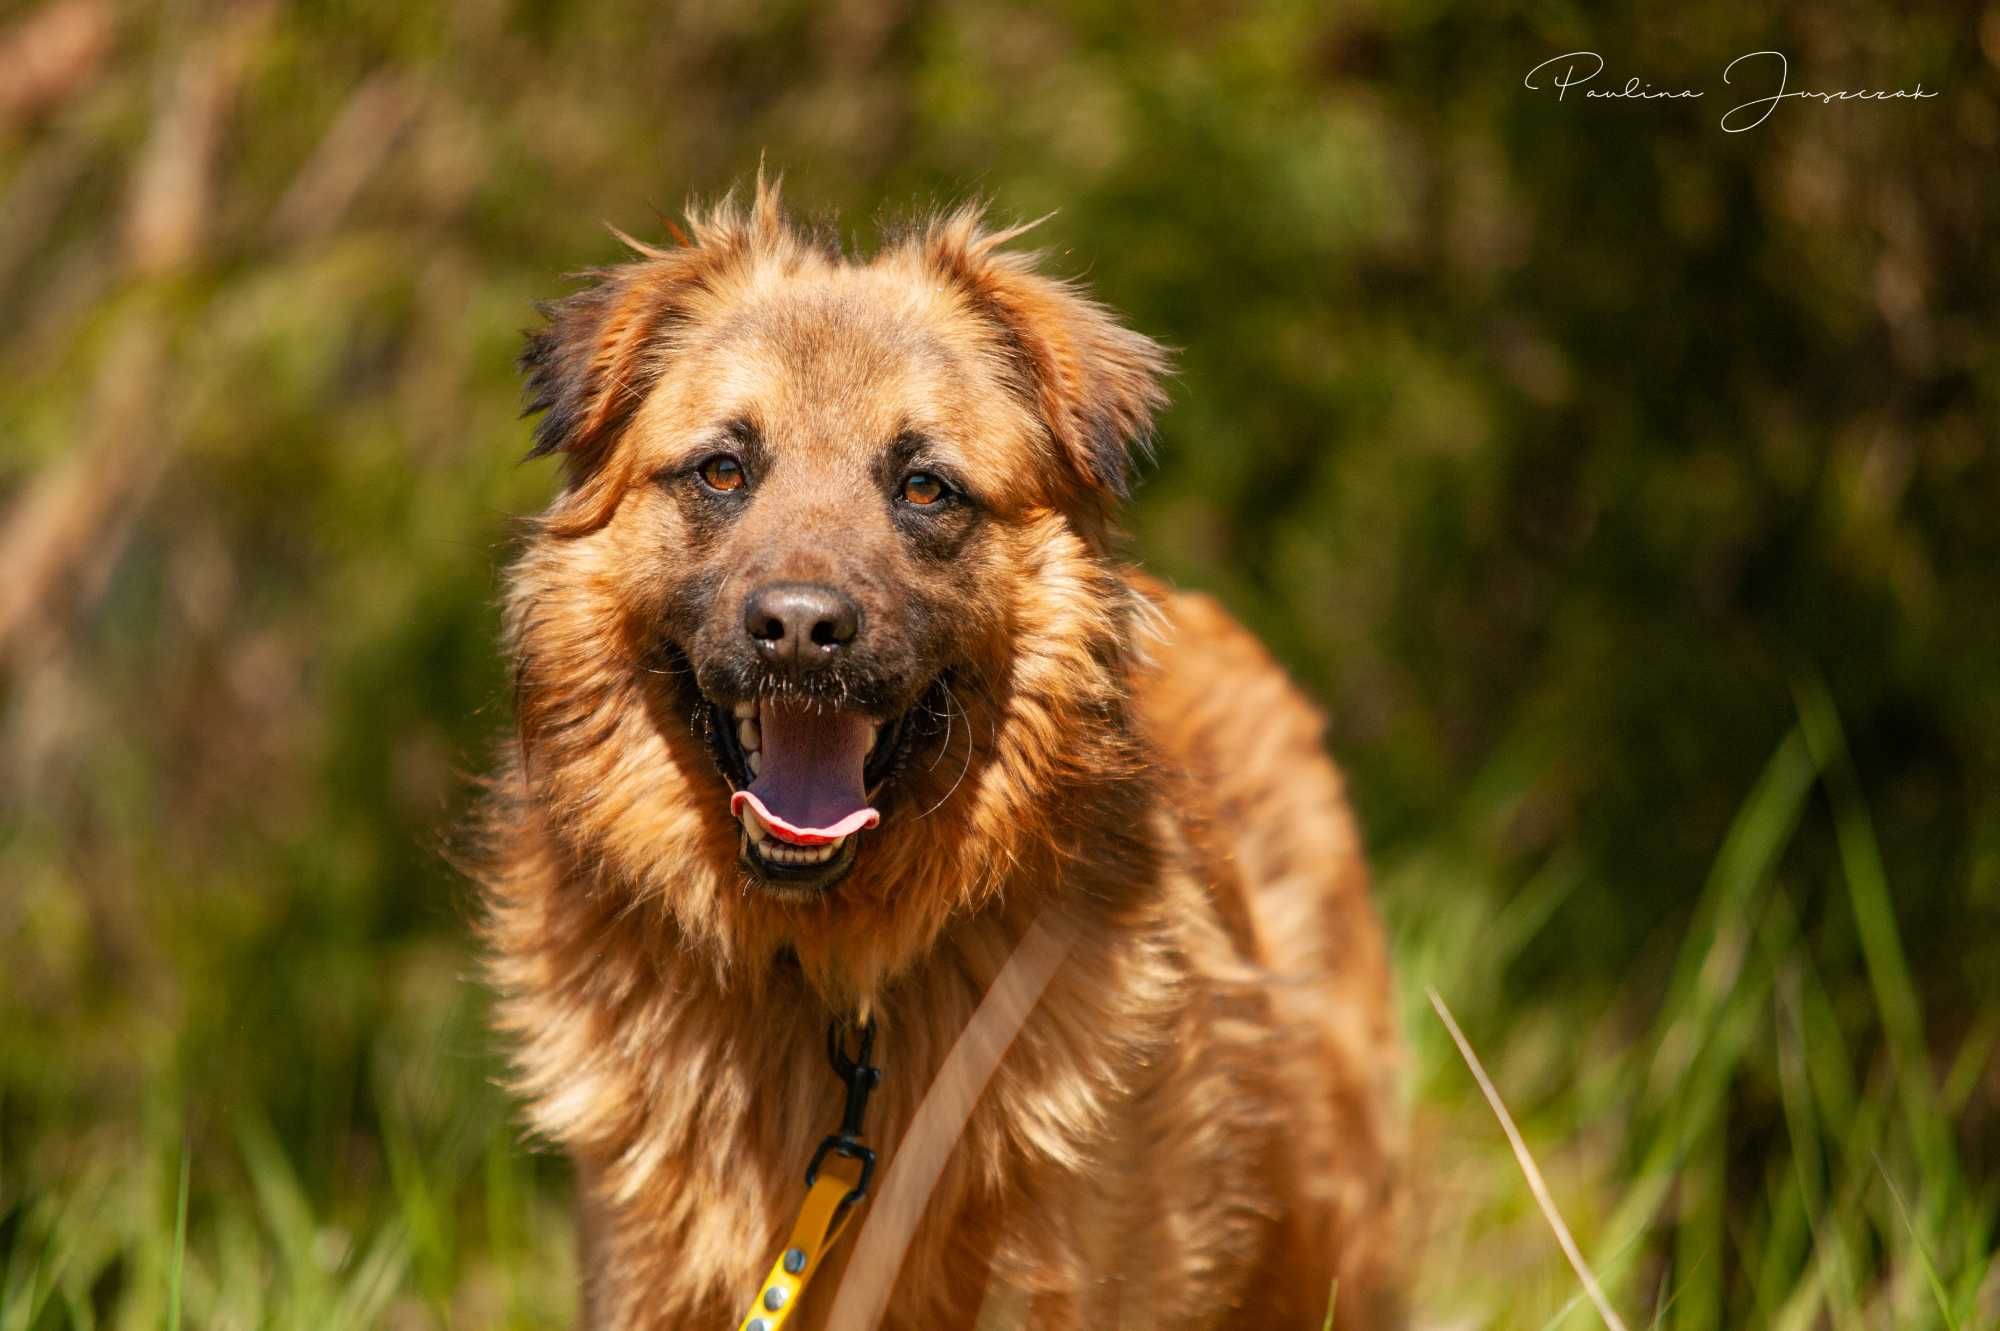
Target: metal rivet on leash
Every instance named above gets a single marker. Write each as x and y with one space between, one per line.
795 1261
774 1298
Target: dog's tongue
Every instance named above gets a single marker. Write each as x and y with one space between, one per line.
810 790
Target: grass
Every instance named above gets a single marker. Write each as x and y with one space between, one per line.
1702 1221
253 1236
1529 1170
180 1247
1733 1142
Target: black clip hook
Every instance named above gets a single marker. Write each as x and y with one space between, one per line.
860 1077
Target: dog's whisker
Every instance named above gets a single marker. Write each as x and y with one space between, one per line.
951 700
945 744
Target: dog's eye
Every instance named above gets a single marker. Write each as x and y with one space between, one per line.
722 473
922 489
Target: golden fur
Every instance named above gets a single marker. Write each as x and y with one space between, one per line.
1198 1124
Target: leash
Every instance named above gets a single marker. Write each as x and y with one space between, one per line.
863 1297
940 1119
836 1182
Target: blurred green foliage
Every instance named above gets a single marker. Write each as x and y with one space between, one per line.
1572 452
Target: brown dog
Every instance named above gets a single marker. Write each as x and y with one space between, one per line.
829 684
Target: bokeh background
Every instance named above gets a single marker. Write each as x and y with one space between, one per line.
1626 489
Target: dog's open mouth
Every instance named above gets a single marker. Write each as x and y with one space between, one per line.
805 774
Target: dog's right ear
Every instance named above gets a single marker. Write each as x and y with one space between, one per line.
591 362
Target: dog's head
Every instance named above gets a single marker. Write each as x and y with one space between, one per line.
821 638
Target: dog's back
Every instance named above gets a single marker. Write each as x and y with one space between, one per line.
1268 817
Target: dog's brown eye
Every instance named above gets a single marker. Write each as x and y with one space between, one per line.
922 489
722 473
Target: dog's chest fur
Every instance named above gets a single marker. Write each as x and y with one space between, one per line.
691 1107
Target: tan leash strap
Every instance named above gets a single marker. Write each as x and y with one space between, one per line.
940 1120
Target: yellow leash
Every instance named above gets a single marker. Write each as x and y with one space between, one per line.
833 1189
820 1222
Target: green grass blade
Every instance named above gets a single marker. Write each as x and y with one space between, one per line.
179 1264
1829 1276
287 1215
1923 1250
1881 942
1711 958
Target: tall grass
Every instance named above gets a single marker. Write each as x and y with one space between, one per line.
1733 1145
208 1220
1744 1149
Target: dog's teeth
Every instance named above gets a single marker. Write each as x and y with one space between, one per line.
752 824
756 761
779 852
745 711
749 736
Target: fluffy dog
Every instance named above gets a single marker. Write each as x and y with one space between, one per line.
829 683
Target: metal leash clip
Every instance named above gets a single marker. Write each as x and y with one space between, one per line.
830 1195
860 1077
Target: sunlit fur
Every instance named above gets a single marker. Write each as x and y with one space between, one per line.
1197 1125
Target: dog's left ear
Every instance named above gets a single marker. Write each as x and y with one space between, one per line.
1095 383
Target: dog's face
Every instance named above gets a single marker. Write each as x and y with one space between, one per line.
805 641
829 460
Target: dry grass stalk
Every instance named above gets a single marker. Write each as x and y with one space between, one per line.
1529 1170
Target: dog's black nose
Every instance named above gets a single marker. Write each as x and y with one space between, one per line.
801 625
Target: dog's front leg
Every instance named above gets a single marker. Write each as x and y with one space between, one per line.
592 1304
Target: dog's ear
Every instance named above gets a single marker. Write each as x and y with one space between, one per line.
1095 383
591 362
598 352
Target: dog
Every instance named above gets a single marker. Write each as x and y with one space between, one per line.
830 682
